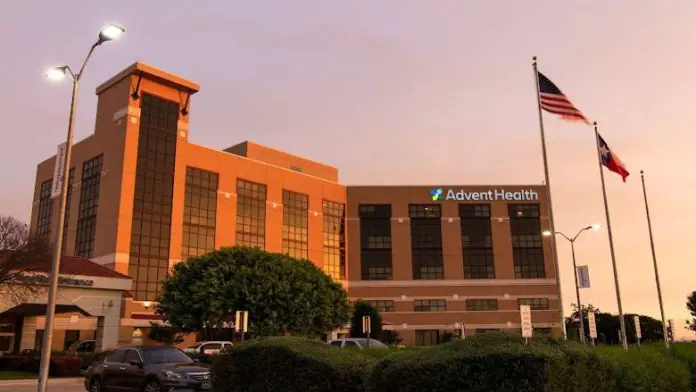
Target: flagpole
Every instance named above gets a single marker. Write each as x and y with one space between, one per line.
622 322
657 275
552 228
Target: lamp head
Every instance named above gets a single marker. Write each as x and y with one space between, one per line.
547 233
147 304
110 32
595 226
57 73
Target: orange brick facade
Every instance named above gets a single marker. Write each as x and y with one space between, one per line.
146 167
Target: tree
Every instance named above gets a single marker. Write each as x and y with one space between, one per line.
608 326
360 309
691 306
390 337
283 295
20 256
167 335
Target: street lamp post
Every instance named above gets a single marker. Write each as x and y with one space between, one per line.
575 272
108 33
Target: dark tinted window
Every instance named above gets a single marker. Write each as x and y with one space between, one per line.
165 355
350 343
295 224
132 356
117 356
426 241
200 207
43 217
477 241
336 343
334 240
89 204
375 241
527 250
251 214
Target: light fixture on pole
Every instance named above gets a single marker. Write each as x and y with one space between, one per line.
548 233
108 33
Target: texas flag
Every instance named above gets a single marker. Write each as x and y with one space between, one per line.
610 160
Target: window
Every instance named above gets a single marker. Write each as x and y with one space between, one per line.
38 339
68 197
334 240
426 241
481 304
427 337
71 337
337 343
534 303
251 214
477 242
429 305
89 203
527 250
45 212
200 208
350 343
117 356
375 242
131 356
295 223
382 306
152 204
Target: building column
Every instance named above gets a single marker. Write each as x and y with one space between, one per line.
107 333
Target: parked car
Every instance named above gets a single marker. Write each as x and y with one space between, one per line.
82 346
147 369
209 347
359 343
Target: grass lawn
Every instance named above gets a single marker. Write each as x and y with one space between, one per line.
10 375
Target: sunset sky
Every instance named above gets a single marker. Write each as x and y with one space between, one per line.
406 92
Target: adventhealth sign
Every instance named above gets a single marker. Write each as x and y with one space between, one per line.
493 194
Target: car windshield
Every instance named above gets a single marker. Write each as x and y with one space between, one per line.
166 355
197 345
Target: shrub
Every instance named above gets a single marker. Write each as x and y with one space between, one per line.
647 369
289 364
493 362
66 366
686 353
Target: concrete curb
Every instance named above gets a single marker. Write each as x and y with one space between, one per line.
30 382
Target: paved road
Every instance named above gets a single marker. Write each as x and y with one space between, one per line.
64 385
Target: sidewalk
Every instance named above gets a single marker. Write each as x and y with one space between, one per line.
54 385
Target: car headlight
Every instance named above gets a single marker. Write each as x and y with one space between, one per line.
173 374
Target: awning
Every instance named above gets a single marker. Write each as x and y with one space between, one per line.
40 310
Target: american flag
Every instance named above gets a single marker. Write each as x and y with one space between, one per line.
554 101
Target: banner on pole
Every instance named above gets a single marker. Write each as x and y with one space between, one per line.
584 277
526 320
366 324
636 321
58 169
241 321
593 324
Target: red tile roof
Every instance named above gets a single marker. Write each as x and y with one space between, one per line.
74 265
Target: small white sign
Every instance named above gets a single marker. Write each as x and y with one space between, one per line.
57 186
636 321
241 321
526 320
584 277
593 324
366 327
74 319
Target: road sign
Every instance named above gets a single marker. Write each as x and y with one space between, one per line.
366 324
636 321
584 277
241 321
526 320
593 324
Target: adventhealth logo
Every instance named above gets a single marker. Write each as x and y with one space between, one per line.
436 194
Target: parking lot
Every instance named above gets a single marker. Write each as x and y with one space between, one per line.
65 385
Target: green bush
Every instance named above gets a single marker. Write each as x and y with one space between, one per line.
648 369
289 364
494 362
686 353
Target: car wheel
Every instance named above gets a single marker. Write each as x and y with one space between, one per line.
152 385
95 386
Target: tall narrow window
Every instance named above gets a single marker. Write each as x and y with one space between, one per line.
45 211
89 203
477 243
68 197
527 250
426 241
334 240
295 222
375 241
251 214
152 204
200 207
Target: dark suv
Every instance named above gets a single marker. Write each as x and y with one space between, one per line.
147 369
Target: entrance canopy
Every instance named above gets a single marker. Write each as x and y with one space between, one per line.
40 310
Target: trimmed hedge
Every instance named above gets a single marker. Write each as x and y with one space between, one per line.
647 369
289 364
494 362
